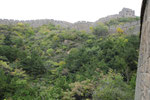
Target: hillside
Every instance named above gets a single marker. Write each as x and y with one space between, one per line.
50 62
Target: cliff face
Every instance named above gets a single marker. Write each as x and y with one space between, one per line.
143 72
85 26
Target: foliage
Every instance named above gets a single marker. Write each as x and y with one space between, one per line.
13 84
53 63
107 53
112 87
122 20
119 30
79 91
100 30
33 64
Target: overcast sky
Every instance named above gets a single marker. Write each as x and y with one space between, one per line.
66 10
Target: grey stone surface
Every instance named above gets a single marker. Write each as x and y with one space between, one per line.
126 12
143 72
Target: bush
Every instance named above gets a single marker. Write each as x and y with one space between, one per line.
33 64
13 84
112 87
79 91
119 30
100 30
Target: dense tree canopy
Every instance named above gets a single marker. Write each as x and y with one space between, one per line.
53 63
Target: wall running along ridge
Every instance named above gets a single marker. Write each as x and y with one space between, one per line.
84 25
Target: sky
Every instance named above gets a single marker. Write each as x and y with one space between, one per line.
65 10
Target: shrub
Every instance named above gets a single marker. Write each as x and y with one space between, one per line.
119 30
112 87
100 30
79 91
13 84
33 64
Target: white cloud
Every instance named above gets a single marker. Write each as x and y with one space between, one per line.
68 10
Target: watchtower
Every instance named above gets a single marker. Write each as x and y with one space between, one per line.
126 12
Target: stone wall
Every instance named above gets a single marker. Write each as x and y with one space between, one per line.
128 28
84 25
36 23
125 12
143 72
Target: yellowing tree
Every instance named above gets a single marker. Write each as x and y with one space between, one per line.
119 30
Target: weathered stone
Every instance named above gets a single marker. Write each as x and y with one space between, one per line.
126 12
147 80
143 73
148 95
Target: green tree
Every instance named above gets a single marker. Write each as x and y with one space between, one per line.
112 87
100 30
33 64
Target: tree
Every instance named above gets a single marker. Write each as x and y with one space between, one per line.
119 30
112 87
33 64
100 30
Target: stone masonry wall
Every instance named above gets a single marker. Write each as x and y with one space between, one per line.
126 12
81 25
128 28
143 72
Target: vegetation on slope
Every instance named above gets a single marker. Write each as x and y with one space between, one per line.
122 21
53 63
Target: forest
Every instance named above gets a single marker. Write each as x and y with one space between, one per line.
53 63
